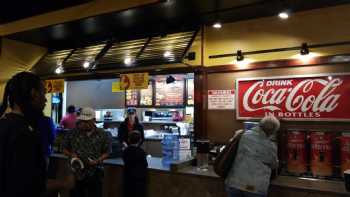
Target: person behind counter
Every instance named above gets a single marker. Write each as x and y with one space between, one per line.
255 159
130 124
87 147
70 119
135 167
22 163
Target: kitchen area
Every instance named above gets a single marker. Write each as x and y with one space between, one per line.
166 107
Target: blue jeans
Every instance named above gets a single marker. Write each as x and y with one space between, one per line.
232 192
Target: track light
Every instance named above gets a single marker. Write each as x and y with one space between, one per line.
217 25
86 64
167 54
283 15
240 56
128 61
59 70
304 49
170 79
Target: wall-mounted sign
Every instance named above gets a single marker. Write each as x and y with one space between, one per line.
54 86
221 99
169 94
134 81
116 87
313 97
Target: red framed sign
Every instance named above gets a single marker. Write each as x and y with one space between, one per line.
310 97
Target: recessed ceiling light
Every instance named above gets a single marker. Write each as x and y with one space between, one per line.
167 54
283 15
217 25
86 64
128 61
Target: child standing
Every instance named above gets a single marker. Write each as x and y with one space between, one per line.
135 167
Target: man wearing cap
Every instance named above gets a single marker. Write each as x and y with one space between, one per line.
130 124
87 147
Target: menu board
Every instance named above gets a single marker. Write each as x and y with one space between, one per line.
171 94
190 92
131 97
146 95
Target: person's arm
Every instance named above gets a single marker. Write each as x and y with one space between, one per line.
67 148
122 134
62 123
107 149
142 132
52 132
269 156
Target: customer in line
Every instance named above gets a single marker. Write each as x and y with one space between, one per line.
70 119
87 147
135 167
47 129
22 162
255 159
131 123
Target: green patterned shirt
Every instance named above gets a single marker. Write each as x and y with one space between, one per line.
88 147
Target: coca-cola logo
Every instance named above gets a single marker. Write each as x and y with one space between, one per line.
269 98
292 98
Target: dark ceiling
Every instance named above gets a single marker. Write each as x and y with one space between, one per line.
18 9
158 19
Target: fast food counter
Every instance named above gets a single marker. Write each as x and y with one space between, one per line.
182 179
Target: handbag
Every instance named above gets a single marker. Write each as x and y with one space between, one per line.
226 157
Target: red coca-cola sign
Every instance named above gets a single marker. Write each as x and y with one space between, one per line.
325 97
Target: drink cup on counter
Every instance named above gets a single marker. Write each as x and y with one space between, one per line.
347 179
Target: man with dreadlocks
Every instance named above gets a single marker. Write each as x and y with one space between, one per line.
22 163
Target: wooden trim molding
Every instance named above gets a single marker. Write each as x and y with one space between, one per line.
334 59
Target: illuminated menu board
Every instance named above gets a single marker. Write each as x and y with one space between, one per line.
171 94
146 95
131 97
190 92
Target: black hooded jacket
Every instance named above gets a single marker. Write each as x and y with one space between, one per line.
22 164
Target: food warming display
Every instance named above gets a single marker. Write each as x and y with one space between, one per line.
345 151
296 152
321 153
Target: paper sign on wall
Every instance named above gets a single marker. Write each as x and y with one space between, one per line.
54 86
116 87
221 99
134 81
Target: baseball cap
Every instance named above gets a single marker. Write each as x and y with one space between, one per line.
86 113
131 110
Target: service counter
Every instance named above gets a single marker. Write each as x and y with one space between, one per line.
184 180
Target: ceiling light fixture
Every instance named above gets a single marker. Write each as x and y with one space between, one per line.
128 61
240 56
304 49
283 15
217 25
86 64
167 54
59 70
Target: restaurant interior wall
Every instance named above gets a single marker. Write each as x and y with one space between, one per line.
326 25
94 93
2 89
16 57
222 123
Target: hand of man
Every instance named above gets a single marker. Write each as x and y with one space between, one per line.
93 162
